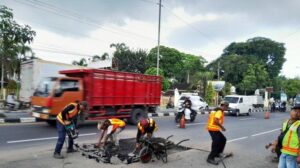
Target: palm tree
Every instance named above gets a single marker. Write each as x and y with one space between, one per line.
81 62
105 56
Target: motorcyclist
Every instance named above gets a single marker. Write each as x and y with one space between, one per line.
187 104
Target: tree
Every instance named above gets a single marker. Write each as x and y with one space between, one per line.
209 95
291 87
165 81
96 58
233 66
81 62
256 77
128 60
267 51
13 40
174 63
200 80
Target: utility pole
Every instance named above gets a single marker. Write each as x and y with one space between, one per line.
218 70
2 77
158 39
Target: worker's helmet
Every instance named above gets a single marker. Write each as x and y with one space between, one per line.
144 122
224 103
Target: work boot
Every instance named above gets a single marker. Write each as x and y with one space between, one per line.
212 161
71 150
57 156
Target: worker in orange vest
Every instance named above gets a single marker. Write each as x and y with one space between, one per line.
214 127
146 126
65 118
110 129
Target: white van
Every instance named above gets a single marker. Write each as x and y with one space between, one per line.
239 104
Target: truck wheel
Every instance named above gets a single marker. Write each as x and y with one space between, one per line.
136 115
51 122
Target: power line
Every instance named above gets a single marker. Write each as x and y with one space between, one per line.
191 26
74 16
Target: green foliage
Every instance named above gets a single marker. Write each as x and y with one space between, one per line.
200 80
291 87
270 53
13 40
81 62
256 77
210 93
226 90
234 67
165 82
11 85
175 64
125 59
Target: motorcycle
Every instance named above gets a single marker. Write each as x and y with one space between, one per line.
9 106
189 114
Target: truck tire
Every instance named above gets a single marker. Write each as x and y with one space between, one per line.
51 122
136 115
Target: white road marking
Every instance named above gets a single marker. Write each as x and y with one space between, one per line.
42 139
266 132
192 124
247 119
237 139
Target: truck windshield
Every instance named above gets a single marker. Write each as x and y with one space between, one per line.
231 99
45 87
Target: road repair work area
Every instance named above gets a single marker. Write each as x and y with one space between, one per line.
32 144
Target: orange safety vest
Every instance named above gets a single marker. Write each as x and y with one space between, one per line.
116 123
151 124
71 114
211 126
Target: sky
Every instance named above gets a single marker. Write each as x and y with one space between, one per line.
69 30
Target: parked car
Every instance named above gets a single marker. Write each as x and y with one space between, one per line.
198 102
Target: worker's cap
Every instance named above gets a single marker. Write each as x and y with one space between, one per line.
224 103
297 106
144 122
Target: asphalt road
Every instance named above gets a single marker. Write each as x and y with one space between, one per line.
244 133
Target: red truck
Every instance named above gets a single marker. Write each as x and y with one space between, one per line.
109 94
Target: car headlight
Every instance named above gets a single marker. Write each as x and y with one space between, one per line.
45 110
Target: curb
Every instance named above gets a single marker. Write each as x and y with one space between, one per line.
154 115
20 120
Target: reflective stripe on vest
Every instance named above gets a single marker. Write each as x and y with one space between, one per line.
116 123
290 143
70 114
211 126
151 123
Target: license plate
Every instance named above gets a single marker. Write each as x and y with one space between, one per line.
38 115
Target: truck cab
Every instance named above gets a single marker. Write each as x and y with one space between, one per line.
239 104
53 94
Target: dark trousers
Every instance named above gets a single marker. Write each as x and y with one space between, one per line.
218 144
61 130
